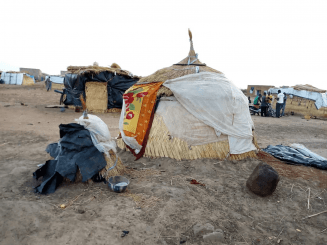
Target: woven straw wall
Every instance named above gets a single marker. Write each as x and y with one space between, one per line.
27 80
161 145
96 96
57 86
303 107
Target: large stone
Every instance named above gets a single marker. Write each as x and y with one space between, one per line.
263 181
217 236
200 229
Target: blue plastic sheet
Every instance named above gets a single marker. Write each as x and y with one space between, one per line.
295 157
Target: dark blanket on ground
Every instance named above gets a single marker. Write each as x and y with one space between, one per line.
293 156
74 151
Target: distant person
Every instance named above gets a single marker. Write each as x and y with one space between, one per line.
279 104
257 100
284 104
249 100
269 98
264 105
48 83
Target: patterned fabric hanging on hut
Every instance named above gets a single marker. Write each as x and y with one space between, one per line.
140 102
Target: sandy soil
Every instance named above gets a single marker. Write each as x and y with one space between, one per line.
161 206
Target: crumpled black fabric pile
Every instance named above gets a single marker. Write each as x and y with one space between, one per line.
293 156
74 151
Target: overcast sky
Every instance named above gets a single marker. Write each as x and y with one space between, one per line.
251 42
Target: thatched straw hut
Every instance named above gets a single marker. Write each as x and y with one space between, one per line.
172 130
102 87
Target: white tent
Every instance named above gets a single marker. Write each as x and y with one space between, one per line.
56 79
17 78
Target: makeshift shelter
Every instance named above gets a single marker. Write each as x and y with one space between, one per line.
85 151
103 87
186 111
17 78
305 100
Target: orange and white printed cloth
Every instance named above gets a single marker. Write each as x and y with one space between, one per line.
140 101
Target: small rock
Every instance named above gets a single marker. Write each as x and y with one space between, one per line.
200 229
30 124
214 237
80 211
62 109
124 233
263 181
6 105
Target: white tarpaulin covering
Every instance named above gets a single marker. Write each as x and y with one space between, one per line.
319 98
99 132
217 102
184 125
12 78
56 79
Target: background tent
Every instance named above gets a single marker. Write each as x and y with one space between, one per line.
17 78
182 126
103 87
305 100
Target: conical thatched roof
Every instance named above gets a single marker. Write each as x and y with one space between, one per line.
188 65
95 69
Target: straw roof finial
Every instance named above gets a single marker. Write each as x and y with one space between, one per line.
190 34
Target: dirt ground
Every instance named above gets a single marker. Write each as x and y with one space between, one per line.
160 206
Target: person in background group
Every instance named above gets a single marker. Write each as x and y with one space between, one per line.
249 100
257 101
280 102
264 105
269 98
284 104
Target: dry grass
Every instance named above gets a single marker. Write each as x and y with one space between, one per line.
172 72
97 69
118 170
116 66
27 81
57 86
161 145
309 87
96 96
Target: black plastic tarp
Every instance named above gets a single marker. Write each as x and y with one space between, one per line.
293 156
74 88
116 87
74 151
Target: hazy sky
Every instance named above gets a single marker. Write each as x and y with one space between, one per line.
251 42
